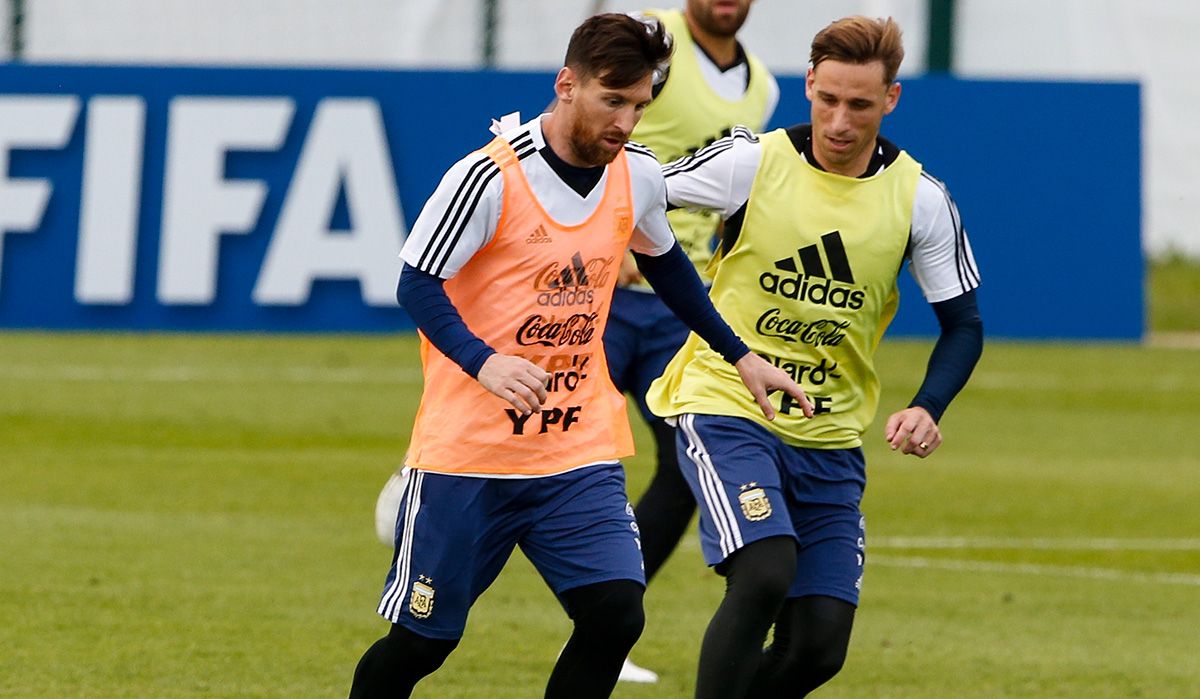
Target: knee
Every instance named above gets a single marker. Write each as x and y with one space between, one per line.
762 572
820 664
418 654
609 612
810 664
396 662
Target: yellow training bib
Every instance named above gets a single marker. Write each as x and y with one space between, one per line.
810 285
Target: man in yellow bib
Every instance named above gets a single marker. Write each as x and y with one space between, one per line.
713 84
508 274
819 220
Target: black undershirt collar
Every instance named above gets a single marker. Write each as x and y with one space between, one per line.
800 135
581 179
739 57
885 151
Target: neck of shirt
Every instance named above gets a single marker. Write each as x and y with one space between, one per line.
802 141
738 60
739 57
580 179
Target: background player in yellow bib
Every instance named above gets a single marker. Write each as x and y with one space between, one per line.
508 274
713 84
820 219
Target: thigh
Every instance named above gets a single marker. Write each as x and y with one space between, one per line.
732 467
450 546
831 554
824 490
583 530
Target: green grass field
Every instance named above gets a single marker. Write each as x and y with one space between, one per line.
1173 294
190 516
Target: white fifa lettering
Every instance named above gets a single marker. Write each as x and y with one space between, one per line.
199 203
108 217
346 148
30 122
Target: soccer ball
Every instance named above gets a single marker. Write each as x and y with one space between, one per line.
387 507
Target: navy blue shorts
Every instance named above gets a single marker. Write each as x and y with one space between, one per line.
641 338
455 533
750 485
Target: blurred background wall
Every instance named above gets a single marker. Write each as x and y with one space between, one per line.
1148 41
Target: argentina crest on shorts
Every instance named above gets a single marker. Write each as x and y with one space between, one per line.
420 602
755 505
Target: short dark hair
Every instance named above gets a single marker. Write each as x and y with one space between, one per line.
618 49
858 40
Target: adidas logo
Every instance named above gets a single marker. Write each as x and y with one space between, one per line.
573 283
539 235
810 260
804 283
573 275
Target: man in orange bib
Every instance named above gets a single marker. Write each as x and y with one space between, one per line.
509 274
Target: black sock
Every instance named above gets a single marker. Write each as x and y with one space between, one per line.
664 510
608 620
394 664
757 578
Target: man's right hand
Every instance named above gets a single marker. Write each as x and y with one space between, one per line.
762 377
516 380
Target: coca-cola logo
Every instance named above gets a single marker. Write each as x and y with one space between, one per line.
576 329
818 333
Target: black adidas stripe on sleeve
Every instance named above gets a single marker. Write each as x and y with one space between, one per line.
639 149
462 206
968 274
695 160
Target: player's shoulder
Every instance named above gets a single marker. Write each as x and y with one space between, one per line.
639 151
520 139
931 191
934 211
742 133
478 163
738 144
645 172
643 164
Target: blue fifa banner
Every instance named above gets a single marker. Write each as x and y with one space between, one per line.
219 199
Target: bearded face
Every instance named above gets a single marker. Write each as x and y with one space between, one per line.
601 118
719 17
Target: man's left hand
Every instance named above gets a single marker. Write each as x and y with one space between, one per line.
913 431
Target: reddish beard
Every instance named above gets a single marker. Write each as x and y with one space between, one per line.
590 148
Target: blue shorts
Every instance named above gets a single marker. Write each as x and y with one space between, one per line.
455 533
750 485
641 338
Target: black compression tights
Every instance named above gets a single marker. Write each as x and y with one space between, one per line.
608 620
664 510
757 578
809 647
811 633
395 663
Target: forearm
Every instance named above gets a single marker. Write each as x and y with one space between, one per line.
424 297
954 356
675 281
